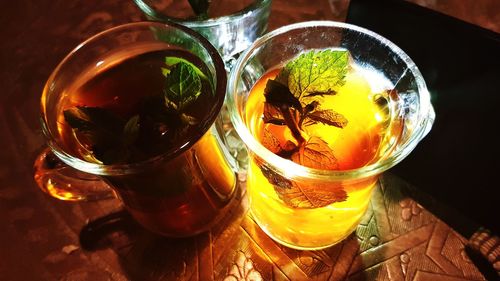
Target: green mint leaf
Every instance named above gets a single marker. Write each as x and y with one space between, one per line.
200 7
183 86
165 71
282 100
315 73
310 107
278 94
291 99
316 154
307 109
330 92
278 181
171 61
312 74
96 124
272 115
308 195
108 135
288 150
328 117
271 142
304 195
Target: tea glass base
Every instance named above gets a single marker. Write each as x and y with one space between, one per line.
68 184
160 224
298 247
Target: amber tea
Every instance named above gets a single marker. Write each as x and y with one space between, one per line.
323 108
145 106
136 108
322 111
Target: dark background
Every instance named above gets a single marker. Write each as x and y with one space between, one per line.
458 162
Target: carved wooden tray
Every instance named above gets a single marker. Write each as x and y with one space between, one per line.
397 239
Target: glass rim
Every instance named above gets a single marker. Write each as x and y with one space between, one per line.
288 167
247 11
122 169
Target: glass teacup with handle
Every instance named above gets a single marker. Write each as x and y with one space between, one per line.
130 111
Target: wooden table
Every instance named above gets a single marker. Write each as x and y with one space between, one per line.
46 239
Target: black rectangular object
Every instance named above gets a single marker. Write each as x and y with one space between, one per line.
459 161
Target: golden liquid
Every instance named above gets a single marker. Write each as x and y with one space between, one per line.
368 136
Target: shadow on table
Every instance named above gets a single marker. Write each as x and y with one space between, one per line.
234 248
144 255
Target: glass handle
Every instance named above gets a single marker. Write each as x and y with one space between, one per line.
66 183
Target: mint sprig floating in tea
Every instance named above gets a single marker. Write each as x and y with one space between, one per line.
111 136
315 73
171 61
183 86
303 195
294 99
111 139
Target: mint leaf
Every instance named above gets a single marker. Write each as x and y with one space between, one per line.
282 100
329 92
108 135
278 181
316 154
171 61
270 142
293 98
183 86
272 115
311 195
96 124
278 94
165 71
301 194
315 73
328 117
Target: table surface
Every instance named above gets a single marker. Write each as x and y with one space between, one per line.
46 239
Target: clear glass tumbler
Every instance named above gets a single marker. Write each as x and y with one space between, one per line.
180 191
230 25
311 208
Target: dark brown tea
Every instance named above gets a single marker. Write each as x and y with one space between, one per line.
133 92
153 110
